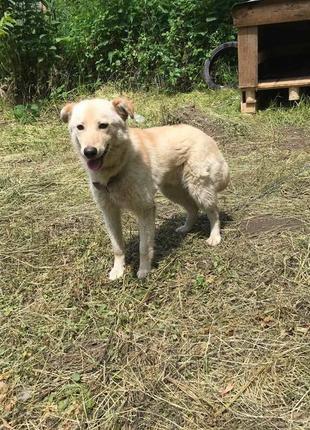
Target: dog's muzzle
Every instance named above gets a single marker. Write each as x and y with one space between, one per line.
95 163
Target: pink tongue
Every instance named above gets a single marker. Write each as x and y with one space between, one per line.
94 164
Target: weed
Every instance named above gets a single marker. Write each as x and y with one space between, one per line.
26 113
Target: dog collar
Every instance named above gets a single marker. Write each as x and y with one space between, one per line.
102 187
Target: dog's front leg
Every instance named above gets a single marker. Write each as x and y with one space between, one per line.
112 219
146 220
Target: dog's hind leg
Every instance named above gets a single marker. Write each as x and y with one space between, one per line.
179 195
112 218
146 220
205 197
214 218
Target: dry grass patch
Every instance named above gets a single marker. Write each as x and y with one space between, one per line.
213 339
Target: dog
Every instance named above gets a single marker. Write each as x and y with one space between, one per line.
126 166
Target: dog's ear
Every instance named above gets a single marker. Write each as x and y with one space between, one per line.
124 107
66 112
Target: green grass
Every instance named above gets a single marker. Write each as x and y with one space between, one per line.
78 351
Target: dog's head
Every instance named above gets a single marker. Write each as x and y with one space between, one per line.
97 127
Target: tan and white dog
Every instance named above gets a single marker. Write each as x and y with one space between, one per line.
126 166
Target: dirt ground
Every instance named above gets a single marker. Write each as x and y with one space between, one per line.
213 339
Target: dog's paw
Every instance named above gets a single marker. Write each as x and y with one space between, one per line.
214 240
116 273
142 273
183 229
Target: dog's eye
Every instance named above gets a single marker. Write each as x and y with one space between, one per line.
80 127
103 125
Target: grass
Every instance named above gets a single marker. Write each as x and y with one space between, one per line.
213 339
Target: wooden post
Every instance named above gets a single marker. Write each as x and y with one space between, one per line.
248 67
248 103
294 94
248 57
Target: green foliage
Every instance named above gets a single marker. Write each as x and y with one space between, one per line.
6 22
143 42
26 113
225 69
140 43
200 281
28 52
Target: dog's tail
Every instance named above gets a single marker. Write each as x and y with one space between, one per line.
224 177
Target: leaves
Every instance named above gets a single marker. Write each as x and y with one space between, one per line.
152 43
227 389
26 113
200 281
148 42
29 42
6 22
76 377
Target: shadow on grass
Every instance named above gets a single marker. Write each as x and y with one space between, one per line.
167 239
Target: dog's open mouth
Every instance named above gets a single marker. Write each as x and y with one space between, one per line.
97 163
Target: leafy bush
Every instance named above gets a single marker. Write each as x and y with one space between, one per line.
28 52
140 43
143 42
6 22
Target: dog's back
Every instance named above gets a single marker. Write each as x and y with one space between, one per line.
170 147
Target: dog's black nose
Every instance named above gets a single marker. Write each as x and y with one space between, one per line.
90 152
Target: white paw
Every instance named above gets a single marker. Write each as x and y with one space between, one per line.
116 273
183 229
142 273
214 240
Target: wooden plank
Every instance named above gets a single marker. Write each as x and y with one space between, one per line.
284 83
272 12
248 57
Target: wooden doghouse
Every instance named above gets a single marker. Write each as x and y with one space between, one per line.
273 47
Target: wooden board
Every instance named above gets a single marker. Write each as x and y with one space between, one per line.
248 57
271 12
284 83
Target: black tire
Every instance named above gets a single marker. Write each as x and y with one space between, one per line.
207 71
